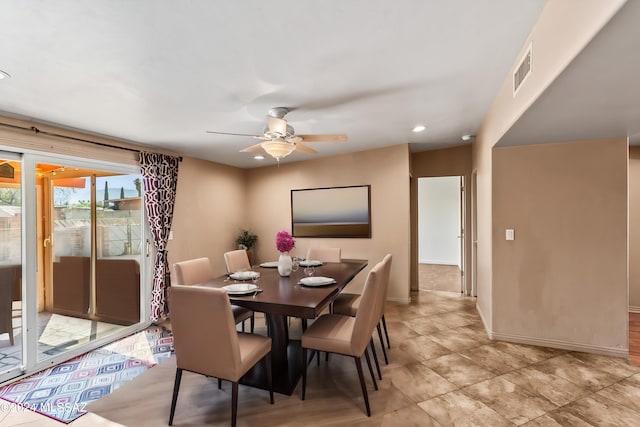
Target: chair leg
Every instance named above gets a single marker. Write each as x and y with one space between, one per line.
384 324
234 403
269 377
384 351
243 325
253 322
219 384
373 377
304 371
318 357
375 357
363 386
174 400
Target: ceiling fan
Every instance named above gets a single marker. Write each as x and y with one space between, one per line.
279 138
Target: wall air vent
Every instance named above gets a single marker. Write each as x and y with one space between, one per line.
523 70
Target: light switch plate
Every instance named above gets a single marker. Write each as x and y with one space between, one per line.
510 234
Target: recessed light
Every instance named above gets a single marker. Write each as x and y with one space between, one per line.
4 75
468 137
258 157
419 128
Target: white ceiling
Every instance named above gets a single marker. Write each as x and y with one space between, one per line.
162 72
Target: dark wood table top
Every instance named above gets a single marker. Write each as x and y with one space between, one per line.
284 296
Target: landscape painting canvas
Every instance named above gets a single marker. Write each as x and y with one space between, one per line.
331 212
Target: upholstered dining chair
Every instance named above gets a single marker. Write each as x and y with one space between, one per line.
346 335
198 270
237 260
324 254
7 279
217 350
349 304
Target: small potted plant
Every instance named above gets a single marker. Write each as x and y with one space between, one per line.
245 240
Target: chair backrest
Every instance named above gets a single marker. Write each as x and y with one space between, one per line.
324 254
367 316
237 260
204 331
386 261
193 271
7 277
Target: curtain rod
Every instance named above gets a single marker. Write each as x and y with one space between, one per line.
37 131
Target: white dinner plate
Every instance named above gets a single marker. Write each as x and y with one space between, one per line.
317 281
310 263
270 264
244 275
241 288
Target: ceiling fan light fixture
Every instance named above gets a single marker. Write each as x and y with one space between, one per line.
278 149
418 128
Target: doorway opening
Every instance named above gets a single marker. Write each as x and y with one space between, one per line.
441 234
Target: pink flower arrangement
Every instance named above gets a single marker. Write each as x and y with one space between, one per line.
284 241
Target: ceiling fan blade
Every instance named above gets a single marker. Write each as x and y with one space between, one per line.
305 149
252 149
277 125
320 138
235 134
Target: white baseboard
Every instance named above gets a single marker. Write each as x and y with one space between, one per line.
564 345
634 309
438 262
484 321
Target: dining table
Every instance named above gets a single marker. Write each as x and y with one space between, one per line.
280 298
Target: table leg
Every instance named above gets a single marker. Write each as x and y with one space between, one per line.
286 360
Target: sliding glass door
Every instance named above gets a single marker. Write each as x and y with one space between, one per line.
92 255
11 331
72 261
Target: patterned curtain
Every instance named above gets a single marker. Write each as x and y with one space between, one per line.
159 180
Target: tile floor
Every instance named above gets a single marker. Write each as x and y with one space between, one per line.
443 371
438 277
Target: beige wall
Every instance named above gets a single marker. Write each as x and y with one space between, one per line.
386 170
634 228
454 161
210 210
563 281
563 29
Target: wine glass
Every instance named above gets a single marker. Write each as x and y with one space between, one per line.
309 270
295 263
255 277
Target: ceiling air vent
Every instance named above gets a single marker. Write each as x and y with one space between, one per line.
522 71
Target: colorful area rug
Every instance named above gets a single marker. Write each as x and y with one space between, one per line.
63 391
